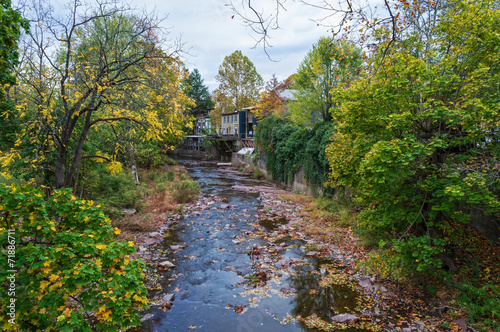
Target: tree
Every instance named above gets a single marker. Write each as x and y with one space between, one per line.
272 101
418 138
196 90
108 67
71 274
329 64
239 83
11 24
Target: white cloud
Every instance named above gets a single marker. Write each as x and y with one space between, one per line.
211 34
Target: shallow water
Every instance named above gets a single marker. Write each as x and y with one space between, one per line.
208 279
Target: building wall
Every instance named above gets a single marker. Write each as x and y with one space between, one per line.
229 122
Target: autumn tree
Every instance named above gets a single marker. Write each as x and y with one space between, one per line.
100 66
272 100
196 90
329 64
239 83
418 138
71 273
11 24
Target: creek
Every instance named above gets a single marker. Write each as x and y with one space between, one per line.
228 276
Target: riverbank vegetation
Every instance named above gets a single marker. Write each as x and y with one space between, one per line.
414 142
90 97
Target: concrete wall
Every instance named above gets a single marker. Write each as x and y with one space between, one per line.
299 180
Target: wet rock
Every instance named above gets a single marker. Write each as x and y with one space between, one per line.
168 297
366 284
167 264
146 317
177 247
149 241
342 318
288 290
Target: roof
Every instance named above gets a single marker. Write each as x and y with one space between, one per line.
246 151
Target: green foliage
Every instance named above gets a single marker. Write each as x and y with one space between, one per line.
71 273
11 24
328 65
149 154
114 191
195 89
288 147
418 136
239 83
185 191
483 304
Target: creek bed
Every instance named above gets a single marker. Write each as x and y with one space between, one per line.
227 278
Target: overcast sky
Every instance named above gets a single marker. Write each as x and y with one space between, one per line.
211 34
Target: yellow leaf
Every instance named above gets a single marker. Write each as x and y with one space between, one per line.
44 285
100 246
117 231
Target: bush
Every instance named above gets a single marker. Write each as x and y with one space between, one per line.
483 304
185 191
114 191
71 274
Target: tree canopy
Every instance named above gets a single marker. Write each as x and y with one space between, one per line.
272 100
11 25
109 68
326 66
196 90
418 137
239 83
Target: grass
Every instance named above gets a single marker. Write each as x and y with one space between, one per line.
165 191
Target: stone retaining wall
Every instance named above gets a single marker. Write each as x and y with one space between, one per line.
299 181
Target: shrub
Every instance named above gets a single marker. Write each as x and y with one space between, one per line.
114 191
483 304
185 191
70 273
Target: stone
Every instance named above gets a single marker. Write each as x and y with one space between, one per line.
168 297
366 283
146 317
224 206
342 318
288 290
177 247
312 253
149 241
129 211
461 322
167 264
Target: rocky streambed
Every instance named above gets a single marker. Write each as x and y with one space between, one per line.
238 259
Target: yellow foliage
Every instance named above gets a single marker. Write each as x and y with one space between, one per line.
114 167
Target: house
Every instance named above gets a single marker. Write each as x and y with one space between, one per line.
240 123
203 124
